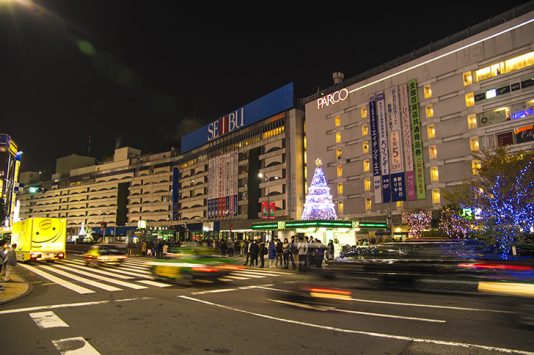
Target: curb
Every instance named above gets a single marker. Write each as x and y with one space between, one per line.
17 297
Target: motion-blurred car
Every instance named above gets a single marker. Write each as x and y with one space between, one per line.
105 254
193 264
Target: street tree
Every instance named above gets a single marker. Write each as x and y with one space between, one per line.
418 220
452 223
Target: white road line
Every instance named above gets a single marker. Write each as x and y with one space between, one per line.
98 277
141 269
120 271
272 289
74 346
390 316
429 306
66 305
224 280
154 283
267 273
268 270
81 279
254 276
102 272
236 277
47 319
361 332
57 280
214 291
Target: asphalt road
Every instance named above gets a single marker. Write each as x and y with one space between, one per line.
129 313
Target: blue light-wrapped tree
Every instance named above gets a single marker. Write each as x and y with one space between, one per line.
319 203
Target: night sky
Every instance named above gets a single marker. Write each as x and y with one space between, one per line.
146 72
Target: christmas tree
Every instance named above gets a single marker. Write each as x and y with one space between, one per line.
319 203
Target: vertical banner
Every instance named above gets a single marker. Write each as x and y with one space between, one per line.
407 143
383 146
264 210
272 210
396 161
375 150
175 193
420 186
223 185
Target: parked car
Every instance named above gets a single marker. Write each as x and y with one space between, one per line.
105 254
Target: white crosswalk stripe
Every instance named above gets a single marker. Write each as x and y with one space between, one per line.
57 280
103 278
81 279
102 272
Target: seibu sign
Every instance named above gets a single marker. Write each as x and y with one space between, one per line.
226 124
332 99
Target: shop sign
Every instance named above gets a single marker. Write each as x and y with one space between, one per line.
332 99
524 134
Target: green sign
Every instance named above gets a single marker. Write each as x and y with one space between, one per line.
377 225
417 141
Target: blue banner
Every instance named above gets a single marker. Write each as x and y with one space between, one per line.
375 148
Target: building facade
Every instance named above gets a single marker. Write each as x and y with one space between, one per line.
10 158
394 138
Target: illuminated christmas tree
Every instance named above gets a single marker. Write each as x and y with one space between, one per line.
418 220
319 203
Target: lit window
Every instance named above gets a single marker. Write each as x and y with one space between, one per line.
431 130
368 204
519 62
429 111
340 207
436 198
339 171
367 184
434 174
473 144
338 121
482 74
469 99
399 204
338 153
433 152
427 91
338 137
365 147
340 189
305 143
365 130
475 167
363 112
468 78
472 121
366 165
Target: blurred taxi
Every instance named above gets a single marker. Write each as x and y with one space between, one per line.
193 264
105 254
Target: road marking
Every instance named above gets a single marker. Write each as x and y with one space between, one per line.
268 270
390 316
214 291
429 306
66 305
81 279
57 280
303 305
254 276
361 332
47 319
272 289
225 280
73 265
154 283
236 277
98 277
74 346
138 273
261 273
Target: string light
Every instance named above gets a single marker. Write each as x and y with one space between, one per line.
418 220
319 203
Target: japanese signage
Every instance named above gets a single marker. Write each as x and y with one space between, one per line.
395 145
377 176
407 143
222 185
420 185
383 146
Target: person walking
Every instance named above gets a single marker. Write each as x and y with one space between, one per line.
272 253
279 252
285 253
263 251
10 261
3 257
293 252
302 248
330 250
254 251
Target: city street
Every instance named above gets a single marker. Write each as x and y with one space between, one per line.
122 310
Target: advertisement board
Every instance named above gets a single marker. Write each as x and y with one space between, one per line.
375 151
420 186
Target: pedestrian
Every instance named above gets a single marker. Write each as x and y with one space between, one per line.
10 261
263 251
330 250
3 257
279 252
242 246
143 248
302 249
319 253
272 253
293 252
285 253
254 251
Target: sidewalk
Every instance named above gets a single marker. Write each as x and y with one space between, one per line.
14 289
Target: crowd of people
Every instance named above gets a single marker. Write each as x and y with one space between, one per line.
8 260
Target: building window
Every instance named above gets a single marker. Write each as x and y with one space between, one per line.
338 121
363 112
399 204
427 91
434 174
469 99
432 152
340 207
508 66
436 198
366 165
339 171
367 184
365 130
475 167
431 130
504 139
429 110
468 78
473 144
472 121
368 204
338 137
338 153
340 189
365 147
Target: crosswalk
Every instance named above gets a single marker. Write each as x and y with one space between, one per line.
72 274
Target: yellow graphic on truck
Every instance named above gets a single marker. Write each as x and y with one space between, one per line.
40 238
